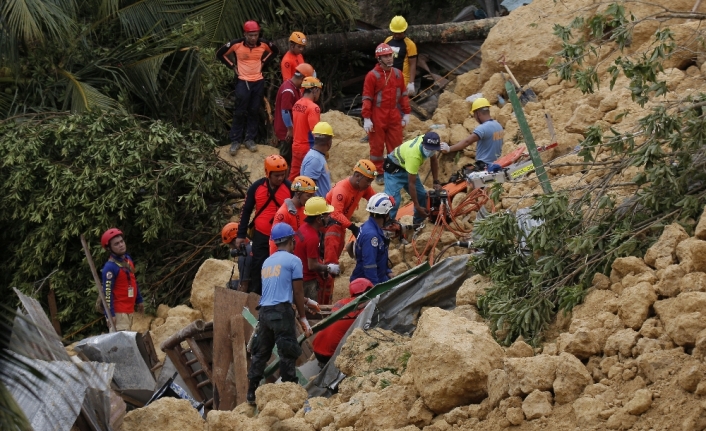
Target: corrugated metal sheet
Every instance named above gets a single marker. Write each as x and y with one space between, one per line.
451 55
33 335
54 402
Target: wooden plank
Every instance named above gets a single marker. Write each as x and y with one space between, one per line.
240 360
188 331
53 311
203 360
178 357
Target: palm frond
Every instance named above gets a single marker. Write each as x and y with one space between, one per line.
83 97
143 76
35 20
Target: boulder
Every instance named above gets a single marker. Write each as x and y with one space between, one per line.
212 274
623 266
621 342
584 117
661 364
471 289
163 311
387 409
571 378
692 282
444 374
601 281
525 375
293 424
165 414
419 414
587 411
635 303
537 404
690 376
141 322
692 255
467 84
519 349
278 409
663 252
632 279
292 394
682 317
621 420
640 402
171 326
492 87
224 420
670 281
700 231
497 387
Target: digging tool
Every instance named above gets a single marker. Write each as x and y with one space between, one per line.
526 95
89 258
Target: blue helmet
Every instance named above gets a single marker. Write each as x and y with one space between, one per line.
281 232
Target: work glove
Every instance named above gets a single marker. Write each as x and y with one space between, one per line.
305 325
312 305
355 230
367 125
444 147
410 89
333 268
405 120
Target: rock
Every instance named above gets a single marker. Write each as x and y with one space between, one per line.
587 411
344 126
672 77
387 409
497 387
141 322
700 231
277 408
623 266
224 420
595 302
652 328
163 311
212 274
444 374
640 402
290 393
471 289
571 378
635 303
645 277
165 414
663 252
456 415
682 317
492 87
622 341
692 255
600 281
692 282
467 84
519 349
670 282
186 312
661 364
293 424
361 354
621 420
582 343
525 375
319 418
469 312
514 415
171 326
690 377
419 414
584 116
537 404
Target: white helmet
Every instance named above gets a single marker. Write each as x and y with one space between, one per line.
380 203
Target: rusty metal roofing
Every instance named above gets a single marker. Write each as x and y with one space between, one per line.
450 55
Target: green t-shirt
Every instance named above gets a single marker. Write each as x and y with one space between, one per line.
409 155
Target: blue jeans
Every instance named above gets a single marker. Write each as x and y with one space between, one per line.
394 183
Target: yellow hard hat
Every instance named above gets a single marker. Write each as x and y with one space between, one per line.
317 206
304 184
480 102
298 37
366 168
311 82
323 128
398 24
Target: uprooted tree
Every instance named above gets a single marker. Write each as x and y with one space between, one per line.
540 272
65 175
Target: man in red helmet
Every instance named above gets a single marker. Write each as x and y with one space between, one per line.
384 95
293 57
327 341
119 282
265 196
250 54
287 95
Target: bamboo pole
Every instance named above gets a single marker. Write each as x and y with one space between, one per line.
89 258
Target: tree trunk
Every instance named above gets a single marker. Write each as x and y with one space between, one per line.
368 40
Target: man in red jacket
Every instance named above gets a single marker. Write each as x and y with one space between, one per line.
384 95
287 95
119 282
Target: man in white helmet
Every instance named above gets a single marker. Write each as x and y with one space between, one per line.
489 136
371 246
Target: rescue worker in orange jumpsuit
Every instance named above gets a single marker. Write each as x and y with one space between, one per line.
293 57
344 197
305 115
384 95
292 210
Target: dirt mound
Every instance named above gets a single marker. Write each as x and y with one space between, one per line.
253 162
165 414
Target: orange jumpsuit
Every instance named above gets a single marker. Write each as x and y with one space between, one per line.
344 199
305 115
384 96
283 215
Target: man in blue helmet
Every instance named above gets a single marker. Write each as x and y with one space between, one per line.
371 246
282 286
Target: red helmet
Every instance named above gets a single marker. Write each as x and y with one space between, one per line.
251 26
108 235
359 285
274 163
383 49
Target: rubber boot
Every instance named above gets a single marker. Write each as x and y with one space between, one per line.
252 387
251 145
234 146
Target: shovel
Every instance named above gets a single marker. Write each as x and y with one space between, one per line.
526 95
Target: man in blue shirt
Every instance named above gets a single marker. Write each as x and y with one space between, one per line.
371 246
281 286
314 164
489 136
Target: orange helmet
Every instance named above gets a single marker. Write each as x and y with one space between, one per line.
298 37
274 163
366 168
303 184
229 232
305 69
311 82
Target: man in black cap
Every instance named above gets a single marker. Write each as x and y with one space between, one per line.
402 168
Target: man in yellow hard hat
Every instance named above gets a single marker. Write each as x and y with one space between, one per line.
489 135
293 57
405 58
314 164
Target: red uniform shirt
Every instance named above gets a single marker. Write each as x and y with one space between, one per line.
257 196
345 199
287 96
305 115
327 341
120 285
384 90
284 216
308 241
289 64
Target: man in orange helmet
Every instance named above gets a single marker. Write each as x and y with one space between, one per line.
344 197
293 58
305 115
384 95
287 95
292 210
265 196
251 53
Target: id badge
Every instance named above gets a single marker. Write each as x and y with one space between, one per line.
130 292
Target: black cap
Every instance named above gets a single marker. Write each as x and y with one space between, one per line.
431 141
